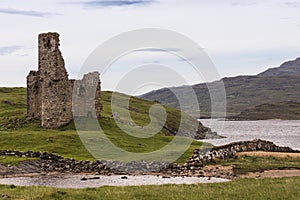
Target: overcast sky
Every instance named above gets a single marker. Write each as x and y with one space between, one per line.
240 36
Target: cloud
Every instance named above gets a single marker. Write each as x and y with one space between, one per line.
23 55
31 13
159 50
113 3
287 18
244 3
293 4
9 50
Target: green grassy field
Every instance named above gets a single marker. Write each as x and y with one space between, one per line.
252 189
12 104
244 164
12 160
17 134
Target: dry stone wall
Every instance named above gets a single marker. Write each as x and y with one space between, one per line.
204 156
194 167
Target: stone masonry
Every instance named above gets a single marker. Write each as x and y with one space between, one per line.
50 93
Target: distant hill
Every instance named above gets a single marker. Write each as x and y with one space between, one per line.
243 92
290 68
287 110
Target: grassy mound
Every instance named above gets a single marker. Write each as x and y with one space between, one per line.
18 134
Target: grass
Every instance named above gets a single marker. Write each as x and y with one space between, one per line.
66 142
278 188
245 164
13 161
12 104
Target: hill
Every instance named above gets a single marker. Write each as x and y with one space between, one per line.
242 92
287 110
290 68
13 113
16 133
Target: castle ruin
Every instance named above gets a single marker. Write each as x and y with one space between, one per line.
51 95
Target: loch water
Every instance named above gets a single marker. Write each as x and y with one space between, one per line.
281 132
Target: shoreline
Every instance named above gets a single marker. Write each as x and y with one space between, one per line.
95 181
92 180
200 168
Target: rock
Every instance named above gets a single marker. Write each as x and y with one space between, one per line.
8 102
95 178
4 196
200 158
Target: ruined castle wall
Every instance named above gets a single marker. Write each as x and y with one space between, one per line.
33 97
49 90
87 95
55 97
98 105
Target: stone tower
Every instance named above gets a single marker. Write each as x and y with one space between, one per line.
49 90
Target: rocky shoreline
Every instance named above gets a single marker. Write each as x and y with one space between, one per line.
46 163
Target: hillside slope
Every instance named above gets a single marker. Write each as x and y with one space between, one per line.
16 133
242 92
13 113
290 68
287 110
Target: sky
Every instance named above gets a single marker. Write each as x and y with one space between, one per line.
241 37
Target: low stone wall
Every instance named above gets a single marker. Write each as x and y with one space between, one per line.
48 162
204 156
